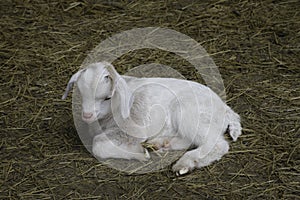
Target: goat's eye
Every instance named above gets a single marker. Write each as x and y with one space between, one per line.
107 98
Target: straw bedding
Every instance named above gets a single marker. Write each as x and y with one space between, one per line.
256 45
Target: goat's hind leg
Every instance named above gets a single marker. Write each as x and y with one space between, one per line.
220 149
170 143
201 156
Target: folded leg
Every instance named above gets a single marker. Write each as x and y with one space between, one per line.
201 156
118 145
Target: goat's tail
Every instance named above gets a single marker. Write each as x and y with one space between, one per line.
235 129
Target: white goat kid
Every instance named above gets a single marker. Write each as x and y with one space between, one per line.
171 113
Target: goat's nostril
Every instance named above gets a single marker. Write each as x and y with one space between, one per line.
87 115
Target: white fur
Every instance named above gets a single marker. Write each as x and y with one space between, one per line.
115 144
154 108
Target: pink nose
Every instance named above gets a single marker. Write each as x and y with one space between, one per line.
87 115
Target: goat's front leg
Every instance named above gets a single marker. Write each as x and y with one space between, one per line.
111 144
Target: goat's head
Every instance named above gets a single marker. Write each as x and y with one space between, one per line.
98 85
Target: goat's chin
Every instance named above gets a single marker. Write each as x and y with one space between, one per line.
89 121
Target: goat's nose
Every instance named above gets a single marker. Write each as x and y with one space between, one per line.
87 115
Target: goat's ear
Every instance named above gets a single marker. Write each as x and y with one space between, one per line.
71 82
121 88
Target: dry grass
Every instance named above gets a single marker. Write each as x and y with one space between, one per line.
256 44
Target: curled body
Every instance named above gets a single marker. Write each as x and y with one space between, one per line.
172 113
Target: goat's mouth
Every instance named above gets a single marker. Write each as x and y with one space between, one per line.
91 120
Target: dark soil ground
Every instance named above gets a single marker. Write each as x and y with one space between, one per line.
256 45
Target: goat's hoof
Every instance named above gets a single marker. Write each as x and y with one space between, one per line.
183 166
182 171
147 154
166 144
